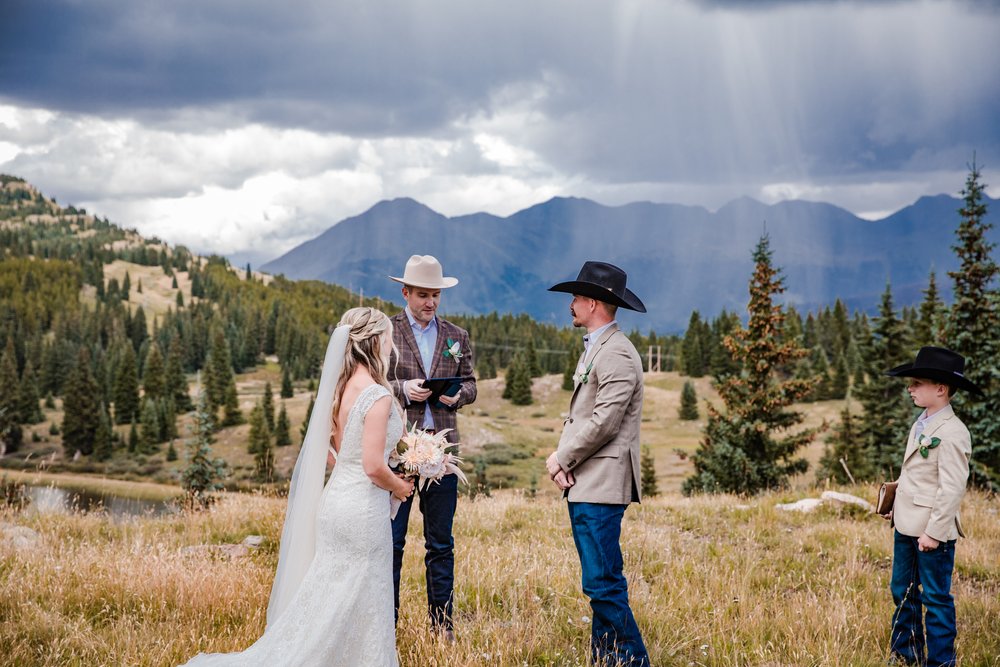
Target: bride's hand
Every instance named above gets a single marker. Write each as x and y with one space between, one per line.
405 490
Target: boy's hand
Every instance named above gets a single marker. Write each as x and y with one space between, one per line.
927 543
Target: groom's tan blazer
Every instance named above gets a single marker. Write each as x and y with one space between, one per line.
931 489
600 438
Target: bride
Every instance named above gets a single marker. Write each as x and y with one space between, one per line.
331 602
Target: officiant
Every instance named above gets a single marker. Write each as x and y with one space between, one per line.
428 348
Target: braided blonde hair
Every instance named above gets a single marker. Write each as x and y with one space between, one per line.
369 327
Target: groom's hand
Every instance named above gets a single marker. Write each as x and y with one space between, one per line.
564 480
552 465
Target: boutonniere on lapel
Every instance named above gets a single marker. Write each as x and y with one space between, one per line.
582 374
454 350
927 444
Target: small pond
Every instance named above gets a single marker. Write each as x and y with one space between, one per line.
53 499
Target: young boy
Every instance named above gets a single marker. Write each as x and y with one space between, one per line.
925 512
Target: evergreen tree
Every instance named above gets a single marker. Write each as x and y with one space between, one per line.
519 380
693 348
102 437
174 379
282 437
28 400
126 390
487 368
267 405
887 412
305 424
840 381
11 434
126 286
259 444
133 438
171 452
9 396
139 330
740 451
149 435
845 447
972 331
287 391
930 328
648 470
153 376
689 402
138 288
203 474
232 416
179 299
218 370
820 367
81 407
531 360
167 419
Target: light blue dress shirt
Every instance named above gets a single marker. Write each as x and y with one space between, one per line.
426 338
594 336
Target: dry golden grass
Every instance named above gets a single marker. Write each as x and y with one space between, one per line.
713 580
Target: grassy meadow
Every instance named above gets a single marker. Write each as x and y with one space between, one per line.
713 581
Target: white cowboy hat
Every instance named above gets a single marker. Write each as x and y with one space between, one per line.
425 271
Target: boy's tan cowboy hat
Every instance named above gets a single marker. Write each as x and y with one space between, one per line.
425 271
940 365
604 282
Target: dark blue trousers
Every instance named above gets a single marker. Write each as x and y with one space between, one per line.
923 579
614 636
437 505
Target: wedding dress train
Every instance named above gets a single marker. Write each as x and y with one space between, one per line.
342 613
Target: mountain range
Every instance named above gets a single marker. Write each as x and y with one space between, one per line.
678 258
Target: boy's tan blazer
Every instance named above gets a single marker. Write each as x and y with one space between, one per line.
931 489
600 438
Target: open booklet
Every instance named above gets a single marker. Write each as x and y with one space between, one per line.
442 387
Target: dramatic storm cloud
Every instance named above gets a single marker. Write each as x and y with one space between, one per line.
246 127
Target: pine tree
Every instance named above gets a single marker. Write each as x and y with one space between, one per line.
688 410
102 438
260 445
305 423
133 438
81 407
845 447
9 396
972 331
648 469
174 379
126 390
930 329
531 360
126 286
232 416
138 288
840 381
139 330
203 474
282 437
267 405
171 452
149 435
153 376
740 451
887 410
519 380
693 348
287 391
28 400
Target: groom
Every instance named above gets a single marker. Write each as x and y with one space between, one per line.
430 347
597 461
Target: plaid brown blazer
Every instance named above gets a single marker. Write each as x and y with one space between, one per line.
409 366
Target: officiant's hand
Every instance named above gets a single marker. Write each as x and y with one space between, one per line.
415 392
449 400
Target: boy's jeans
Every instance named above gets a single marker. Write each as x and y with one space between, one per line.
923 577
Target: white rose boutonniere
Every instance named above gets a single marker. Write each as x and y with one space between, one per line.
582 374
454 349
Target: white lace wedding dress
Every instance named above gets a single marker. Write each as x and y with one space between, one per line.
342 614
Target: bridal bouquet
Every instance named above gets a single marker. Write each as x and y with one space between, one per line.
425 456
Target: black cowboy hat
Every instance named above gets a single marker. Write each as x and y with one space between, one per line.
938 364
604 282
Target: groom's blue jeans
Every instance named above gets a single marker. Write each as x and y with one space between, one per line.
614 636
923 578
437 504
